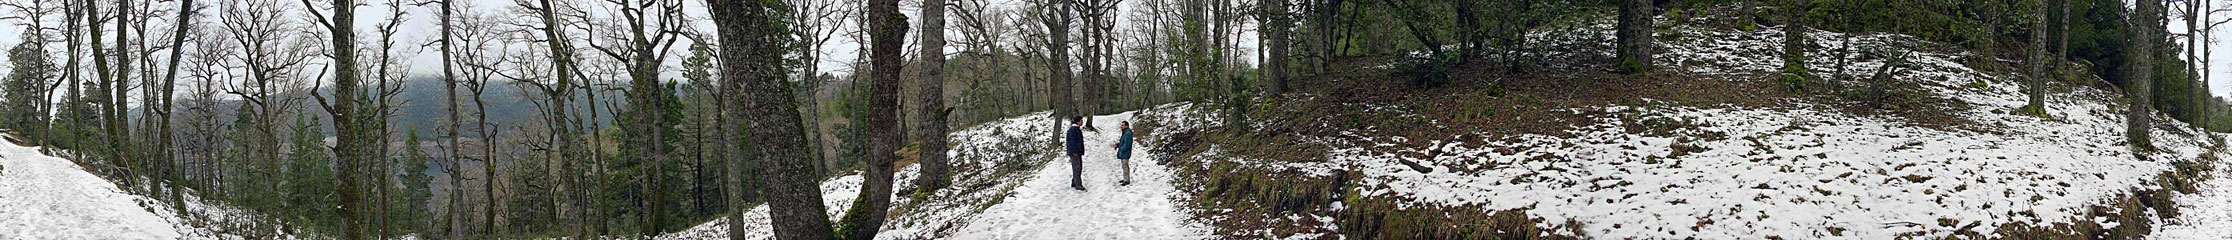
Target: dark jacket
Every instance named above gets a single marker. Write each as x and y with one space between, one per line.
1076 141
1124 145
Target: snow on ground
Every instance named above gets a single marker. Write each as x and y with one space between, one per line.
1046 207
2203 215
1030 204
45 197
1660 170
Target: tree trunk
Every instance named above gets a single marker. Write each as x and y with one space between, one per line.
931 100
1794 43
2036 82
1056 19
1635 36
2137 119
163 104
887 28
2193 67
1281 28
449 78
353 147
751 63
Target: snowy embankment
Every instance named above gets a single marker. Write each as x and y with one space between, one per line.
1802 170
2203 215
46 197
1009 184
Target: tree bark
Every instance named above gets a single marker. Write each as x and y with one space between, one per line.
1794 42
931 99
2137 119
887 28
353 146
1280 29
162 104
2035 85
1635 36
750 54
1055 16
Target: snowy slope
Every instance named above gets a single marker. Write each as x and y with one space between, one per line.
45 197
1803 170
2204 215
1662 170
1034 203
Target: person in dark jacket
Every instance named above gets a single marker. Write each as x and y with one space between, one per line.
1076 142
1123 153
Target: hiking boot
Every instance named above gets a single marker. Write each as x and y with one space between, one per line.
1123 183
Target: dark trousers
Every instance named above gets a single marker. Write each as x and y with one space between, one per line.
1077 169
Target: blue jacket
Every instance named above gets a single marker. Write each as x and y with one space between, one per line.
1124 145
1076 141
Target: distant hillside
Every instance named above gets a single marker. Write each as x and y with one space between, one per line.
422 107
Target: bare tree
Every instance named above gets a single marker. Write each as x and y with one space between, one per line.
649 29
559 46
352 120
1054 15
161 102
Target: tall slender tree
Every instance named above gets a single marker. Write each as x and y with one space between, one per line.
2144 25
455 222
1794 43
354 144
647 38
162 103
2035 83
930 102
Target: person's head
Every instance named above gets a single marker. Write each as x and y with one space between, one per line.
1126 124
1075 121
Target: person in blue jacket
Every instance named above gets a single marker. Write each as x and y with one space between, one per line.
1076 142
1123 153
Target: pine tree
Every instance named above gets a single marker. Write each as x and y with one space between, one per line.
29 70
309 184
413 215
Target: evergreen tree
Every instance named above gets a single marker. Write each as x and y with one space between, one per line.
638 177
417 193
309 184
22 98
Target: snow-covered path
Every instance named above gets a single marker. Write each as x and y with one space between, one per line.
44 197
1041 206
1046 208
2203 215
